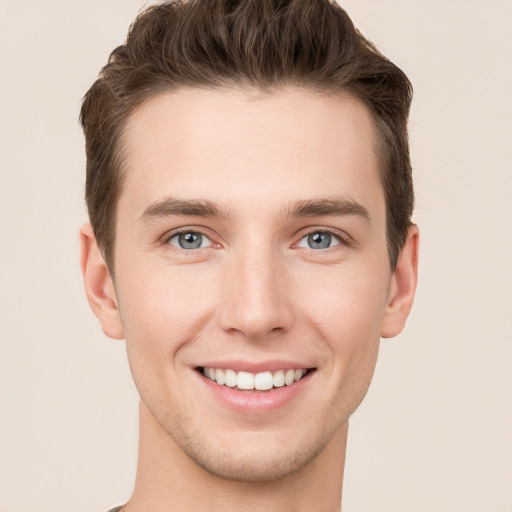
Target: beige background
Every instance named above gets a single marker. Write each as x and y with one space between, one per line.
434 433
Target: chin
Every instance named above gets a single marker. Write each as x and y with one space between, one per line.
254 459
255 467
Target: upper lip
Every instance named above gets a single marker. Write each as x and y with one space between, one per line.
255 367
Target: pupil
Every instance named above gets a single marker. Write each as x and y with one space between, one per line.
190 240
319 240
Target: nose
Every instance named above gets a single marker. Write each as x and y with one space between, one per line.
255 298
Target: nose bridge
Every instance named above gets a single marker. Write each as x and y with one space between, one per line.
254 299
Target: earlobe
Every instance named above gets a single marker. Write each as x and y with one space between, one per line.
99 287
402 286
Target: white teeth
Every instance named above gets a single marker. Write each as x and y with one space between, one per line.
219 377
245 380
230 378
262 381
279 378
299 374
289 378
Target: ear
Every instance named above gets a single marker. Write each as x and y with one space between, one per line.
402 286
99 287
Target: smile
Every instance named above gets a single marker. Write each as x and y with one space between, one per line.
247 381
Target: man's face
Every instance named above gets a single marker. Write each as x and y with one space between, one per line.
251 238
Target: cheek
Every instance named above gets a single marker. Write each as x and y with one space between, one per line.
346 307
161 312
346 300
164 307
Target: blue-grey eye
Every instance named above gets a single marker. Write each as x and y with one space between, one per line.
189 240
319 240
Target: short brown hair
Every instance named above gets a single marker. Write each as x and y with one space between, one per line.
263 44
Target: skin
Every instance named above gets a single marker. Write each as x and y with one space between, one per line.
255 291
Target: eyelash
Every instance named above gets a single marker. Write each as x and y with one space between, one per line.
166 239
343 238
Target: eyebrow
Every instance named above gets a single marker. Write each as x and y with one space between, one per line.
190 207
329 206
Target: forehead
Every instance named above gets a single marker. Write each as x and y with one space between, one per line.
227 144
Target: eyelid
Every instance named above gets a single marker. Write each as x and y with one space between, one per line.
344 238
166 238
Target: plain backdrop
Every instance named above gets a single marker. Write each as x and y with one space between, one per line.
434 433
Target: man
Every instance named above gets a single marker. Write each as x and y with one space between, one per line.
250 196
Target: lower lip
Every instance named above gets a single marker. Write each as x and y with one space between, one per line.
256 401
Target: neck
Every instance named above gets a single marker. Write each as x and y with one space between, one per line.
168 480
